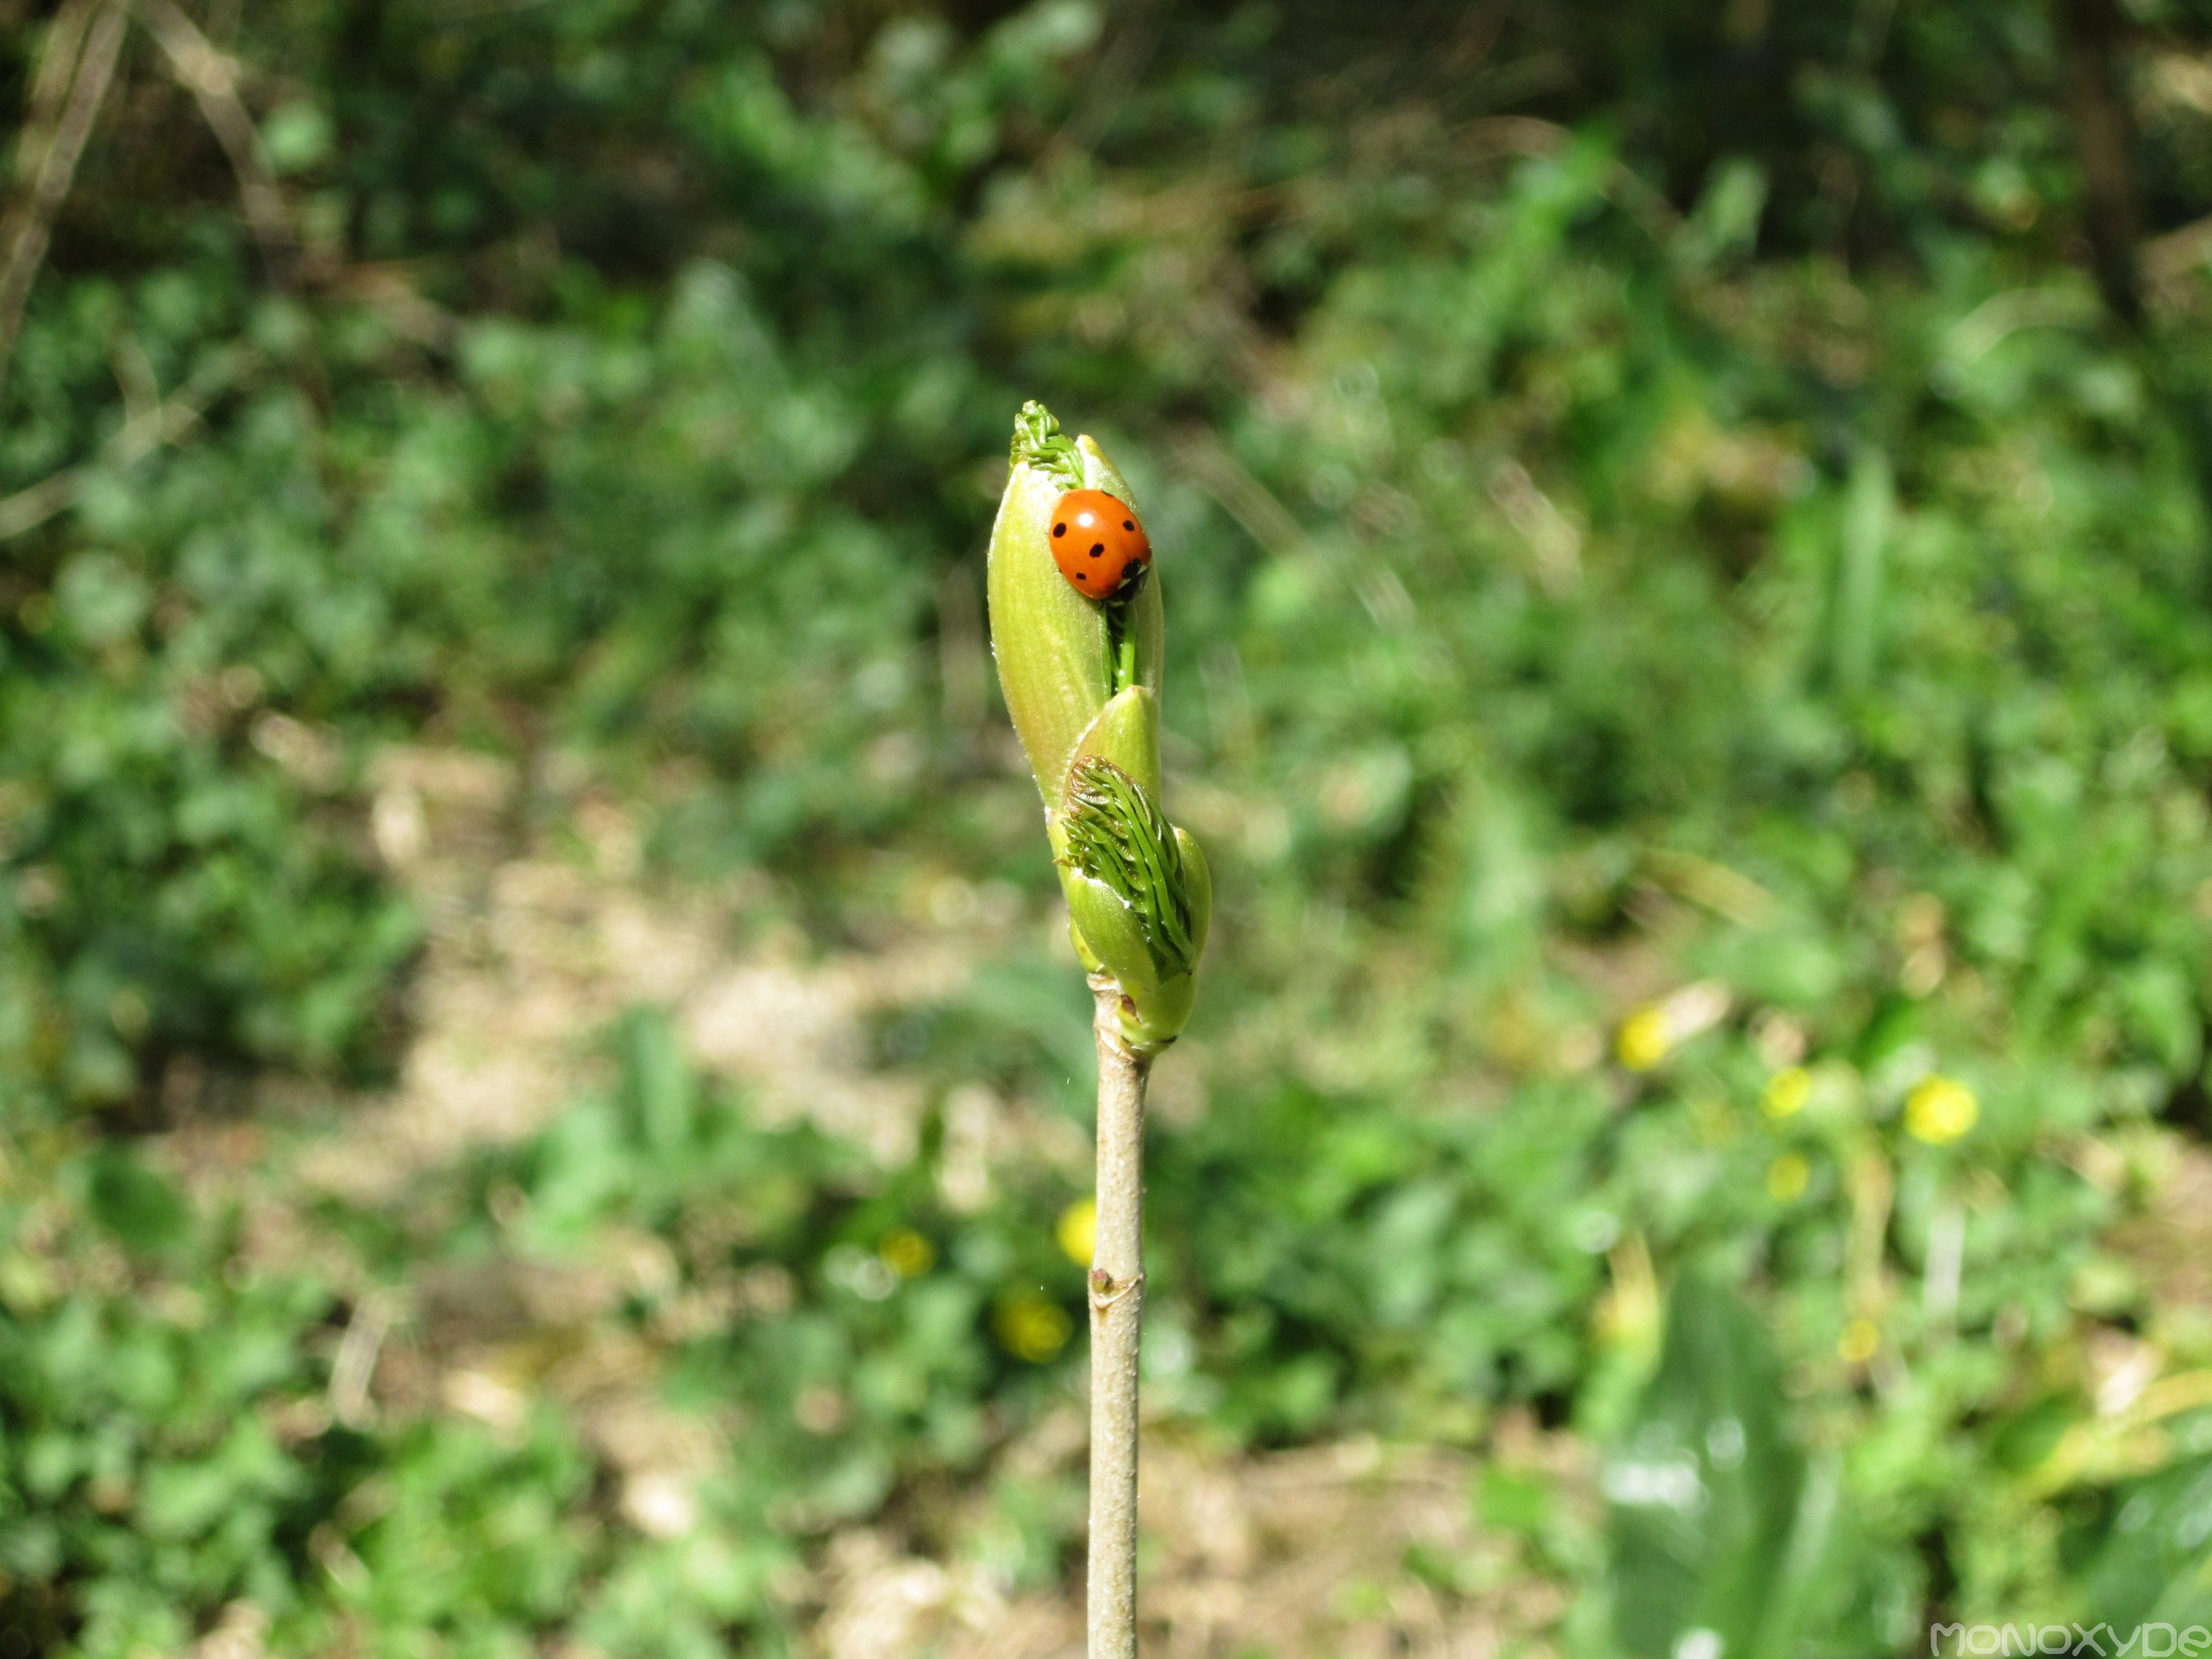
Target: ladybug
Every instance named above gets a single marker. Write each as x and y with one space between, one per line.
1099 544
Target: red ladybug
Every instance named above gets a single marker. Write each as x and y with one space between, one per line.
1099 542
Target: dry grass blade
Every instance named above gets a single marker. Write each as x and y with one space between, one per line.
211 76
138 436
93 41
50 86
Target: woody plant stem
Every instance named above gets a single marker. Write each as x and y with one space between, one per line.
1081 674
1117 1300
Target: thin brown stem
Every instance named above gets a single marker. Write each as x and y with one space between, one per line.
2094 33
1117 1296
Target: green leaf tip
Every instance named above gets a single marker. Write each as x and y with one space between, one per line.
1117 836
1039 442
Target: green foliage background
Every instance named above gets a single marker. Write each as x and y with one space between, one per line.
1650 496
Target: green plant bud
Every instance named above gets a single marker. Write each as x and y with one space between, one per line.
1127 735
1082 681
1116 838
1139 899
1061 656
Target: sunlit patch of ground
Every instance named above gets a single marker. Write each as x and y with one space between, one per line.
1346 1550
2170 1242
533 949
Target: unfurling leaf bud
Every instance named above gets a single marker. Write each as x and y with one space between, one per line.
1082 679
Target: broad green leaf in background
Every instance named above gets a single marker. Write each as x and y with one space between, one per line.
2155 1563
1727 1539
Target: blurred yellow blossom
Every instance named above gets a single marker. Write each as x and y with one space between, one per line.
1655 1030
1644 1039
1859 1343
1032 1327
906 1253
1078 1231
1940 1111
1787 1176
1787 1091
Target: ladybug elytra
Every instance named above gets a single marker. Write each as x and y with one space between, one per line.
1099 542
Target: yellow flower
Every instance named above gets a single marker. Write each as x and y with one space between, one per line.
1786 1177
1644 1038
1031 1327
1078 1231
906 1253
1787 1091
1859 1343
1940 1111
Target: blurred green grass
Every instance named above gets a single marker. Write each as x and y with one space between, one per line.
1692 628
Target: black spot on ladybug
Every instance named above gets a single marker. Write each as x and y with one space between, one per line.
1060 530
1128 524
1097 549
